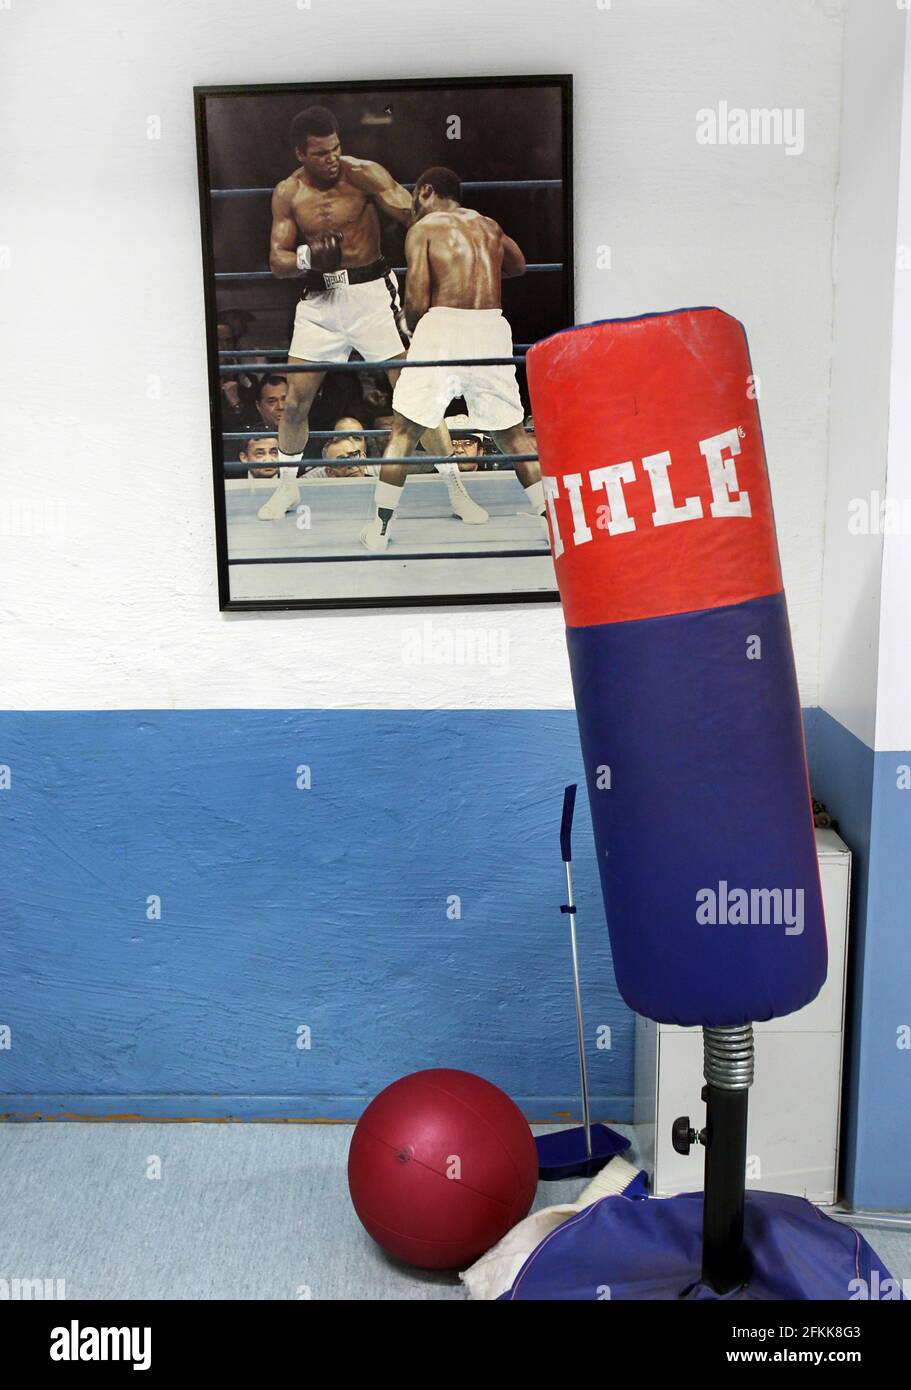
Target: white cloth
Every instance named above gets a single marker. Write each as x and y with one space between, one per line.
330 324
496 1271
491 393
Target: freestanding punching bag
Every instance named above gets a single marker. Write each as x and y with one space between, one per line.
665 553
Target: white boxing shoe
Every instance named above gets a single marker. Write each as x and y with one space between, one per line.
285 497
464 506
539 517
373 536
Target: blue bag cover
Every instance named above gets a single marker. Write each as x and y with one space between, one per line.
708 792
623 1248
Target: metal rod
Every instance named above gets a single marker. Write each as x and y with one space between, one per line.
729 1074
580 1027
723 1266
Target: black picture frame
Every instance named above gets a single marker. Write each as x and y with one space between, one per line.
202 94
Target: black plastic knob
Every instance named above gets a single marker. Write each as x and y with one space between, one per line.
682 1136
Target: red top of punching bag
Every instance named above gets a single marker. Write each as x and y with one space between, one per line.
649 431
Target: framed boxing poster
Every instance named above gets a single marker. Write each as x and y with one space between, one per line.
378 257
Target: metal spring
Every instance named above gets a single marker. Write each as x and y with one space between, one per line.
728 1057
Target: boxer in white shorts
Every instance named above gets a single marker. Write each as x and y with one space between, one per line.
491 393
456 260
326 231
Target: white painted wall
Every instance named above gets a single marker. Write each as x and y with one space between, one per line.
104 292
893 714
861 366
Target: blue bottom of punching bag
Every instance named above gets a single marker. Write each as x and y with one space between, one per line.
652 1249
696 770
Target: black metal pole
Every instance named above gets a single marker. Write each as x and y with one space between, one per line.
723 1261
728 1075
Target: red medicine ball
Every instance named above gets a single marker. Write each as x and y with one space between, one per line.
442 1164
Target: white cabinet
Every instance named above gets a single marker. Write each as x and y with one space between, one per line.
792 1139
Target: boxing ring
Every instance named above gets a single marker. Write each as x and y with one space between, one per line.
322 557
313 553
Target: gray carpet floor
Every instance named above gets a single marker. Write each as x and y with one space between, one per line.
239 1211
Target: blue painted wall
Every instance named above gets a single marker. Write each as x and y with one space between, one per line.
283 907
863 791
328 908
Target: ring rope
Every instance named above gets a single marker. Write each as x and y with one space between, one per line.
237 275
473 186
283 352
391 363
527 553
343 434
406 458
316 434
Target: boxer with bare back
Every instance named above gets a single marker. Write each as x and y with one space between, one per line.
326 232
456 261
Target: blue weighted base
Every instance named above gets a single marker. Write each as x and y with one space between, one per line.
564 1155
620 1248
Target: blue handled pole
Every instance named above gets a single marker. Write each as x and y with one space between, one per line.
566 830
576 1152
